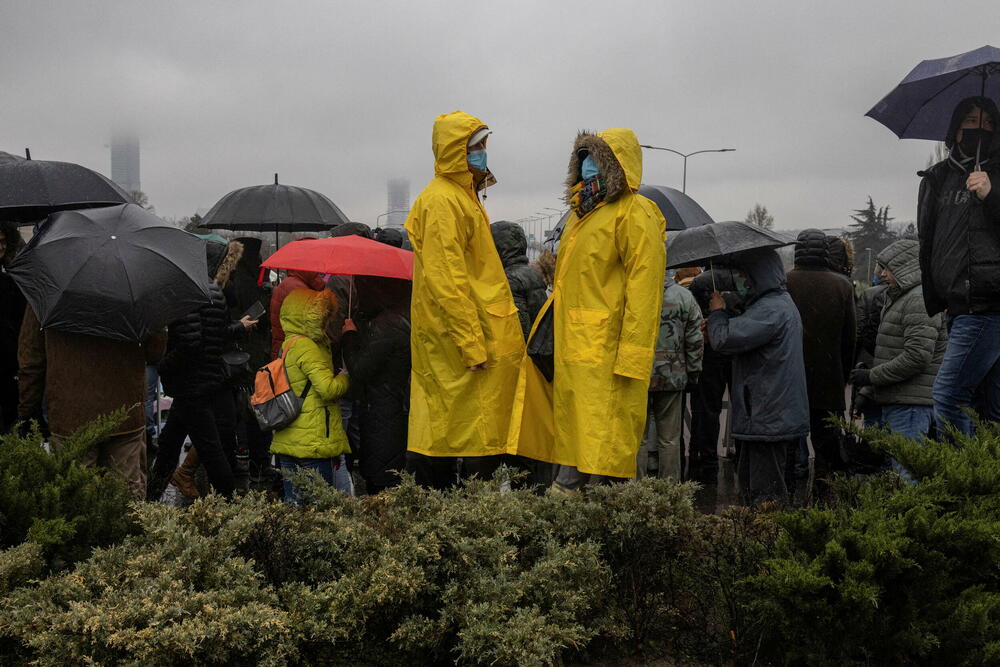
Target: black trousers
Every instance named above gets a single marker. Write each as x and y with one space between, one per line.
826 441
706 406
760 469
8 403
433 472
210 421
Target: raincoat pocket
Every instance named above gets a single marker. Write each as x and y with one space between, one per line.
503 329
586 335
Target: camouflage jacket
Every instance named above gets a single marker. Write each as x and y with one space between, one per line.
680 344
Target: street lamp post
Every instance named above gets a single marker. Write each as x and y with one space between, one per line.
382 215
686 156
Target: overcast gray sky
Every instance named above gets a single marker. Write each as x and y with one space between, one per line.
340 96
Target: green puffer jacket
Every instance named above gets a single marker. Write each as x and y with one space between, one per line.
317 433
910 345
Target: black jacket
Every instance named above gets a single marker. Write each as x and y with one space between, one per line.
959 234
378 359
869 315
11 313
526 283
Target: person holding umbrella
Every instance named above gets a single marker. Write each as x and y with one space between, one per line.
958 220
768 392
11 314
466 338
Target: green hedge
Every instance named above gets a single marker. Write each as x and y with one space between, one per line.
885 574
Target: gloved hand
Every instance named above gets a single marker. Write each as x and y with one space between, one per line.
861 403
861 377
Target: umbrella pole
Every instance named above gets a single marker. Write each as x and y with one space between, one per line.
711 269
276 244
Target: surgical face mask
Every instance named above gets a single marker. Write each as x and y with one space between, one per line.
477 160
588 168
741 283
973 139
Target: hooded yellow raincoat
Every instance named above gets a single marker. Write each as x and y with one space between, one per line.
606 298
462 311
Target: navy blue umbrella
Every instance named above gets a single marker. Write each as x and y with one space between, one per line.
921 106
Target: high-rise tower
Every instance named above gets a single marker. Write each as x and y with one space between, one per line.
398 202
125 161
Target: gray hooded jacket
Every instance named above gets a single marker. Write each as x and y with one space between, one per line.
910 344
768 394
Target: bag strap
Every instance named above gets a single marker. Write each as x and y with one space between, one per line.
284 351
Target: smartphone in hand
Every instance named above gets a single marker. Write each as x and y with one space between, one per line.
255 311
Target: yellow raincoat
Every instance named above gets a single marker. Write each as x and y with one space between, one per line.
606 298
462 311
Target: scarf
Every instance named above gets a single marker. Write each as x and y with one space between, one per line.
586 195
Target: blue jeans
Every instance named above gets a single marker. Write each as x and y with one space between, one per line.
912 421
333 471
970 371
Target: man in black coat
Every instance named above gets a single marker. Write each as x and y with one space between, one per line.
377 353
958 224
825 301
526 283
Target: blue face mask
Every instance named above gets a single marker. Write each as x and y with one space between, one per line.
588 168
477 160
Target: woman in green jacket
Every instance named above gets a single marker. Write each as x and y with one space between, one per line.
316 439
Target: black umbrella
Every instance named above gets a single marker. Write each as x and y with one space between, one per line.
32 189
117 272
274 208
680 211
719 242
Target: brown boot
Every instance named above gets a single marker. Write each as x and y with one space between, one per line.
183 477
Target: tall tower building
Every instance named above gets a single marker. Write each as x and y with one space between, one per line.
125 160
398 203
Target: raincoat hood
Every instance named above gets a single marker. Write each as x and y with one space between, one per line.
984 103
765 270
811 249
450 142
902 258
304 313
511 243
617 155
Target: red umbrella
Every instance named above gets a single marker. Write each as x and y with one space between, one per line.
345 256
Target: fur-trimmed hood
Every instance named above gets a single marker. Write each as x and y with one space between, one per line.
618 156
222 260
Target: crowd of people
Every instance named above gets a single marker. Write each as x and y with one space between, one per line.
575 369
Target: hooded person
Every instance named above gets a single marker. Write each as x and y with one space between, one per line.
768 394
958 226
315 440
194 374
466 339
908 350
526 283
825 301
605 310
293 280
390 236
840 252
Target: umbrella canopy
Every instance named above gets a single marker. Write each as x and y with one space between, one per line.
344 255
719 241
921 106
680 211
274 208
32 189
117 272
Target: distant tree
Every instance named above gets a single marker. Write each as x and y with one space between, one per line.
759 216
140 198
193 224
870 230
910 232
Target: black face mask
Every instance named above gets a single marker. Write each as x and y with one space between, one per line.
974 138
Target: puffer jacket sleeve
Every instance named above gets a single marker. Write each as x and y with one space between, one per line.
848 332
639 237
920 334
739 334
694 341
446 277
318 369
519 290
